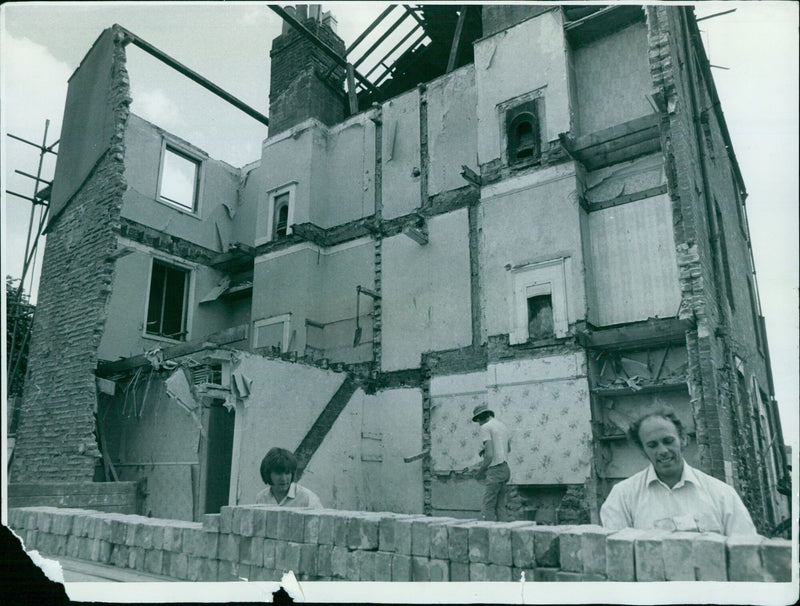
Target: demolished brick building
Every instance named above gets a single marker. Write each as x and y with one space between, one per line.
553 224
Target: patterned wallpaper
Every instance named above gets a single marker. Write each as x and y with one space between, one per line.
549 421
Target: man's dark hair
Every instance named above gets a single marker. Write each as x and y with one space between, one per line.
279 460
662 411
486 414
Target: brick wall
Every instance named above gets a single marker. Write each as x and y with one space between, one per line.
120 497
56 434
259 543
299 88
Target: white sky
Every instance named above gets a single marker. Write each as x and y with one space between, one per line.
42 44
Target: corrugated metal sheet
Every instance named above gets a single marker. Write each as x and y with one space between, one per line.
635 272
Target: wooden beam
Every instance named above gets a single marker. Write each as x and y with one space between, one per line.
451 62
383 37
352 98
618 131
394 48
413 45
641 195
369 29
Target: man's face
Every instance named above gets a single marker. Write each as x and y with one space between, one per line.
662 445
280 480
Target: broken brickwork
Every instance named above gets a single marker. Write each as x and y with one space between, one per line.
56 435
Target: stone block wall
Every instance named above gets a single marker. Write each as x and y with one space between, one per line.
260 543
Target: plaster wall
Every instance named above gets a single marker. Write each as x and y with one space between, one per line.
501 76
528 219
401 155
543 401
285 400
88 123
359 465
127 306
246 213
426 292
343 172
140 203
613 79
452 129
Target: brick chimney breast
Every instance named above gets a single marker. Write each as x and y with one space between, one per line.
298 87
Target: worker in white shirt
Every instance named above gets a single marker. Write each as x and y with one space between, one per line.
669 494
278 469
494 466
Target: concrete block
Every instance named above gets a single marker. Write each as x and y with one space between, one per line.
383 566
363 532
157 536
366 565
311 529
386 533
401 567
236 520
479 542
308 559
479 572
119 556
287 556
261 574
324 565
522 551
271 523
211 521
545 574
325 532
439 541
84 546
268 553
569 549
228 548
458 542
130 534
776 557
677 549
439 570
290 526
649 555
225 519
246 522
136 558
420 538
154 561
228 572
517 574
119 529
178 565
259 522
499 573
620 563
420 569
203 569
593 549
44 521
744 558
251 551
339 557
459 572
341 530
546 546
353 572
500 545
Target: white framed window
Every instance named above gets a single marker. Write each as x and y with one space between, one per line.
180 177
166 316
280 209
538 301
273 332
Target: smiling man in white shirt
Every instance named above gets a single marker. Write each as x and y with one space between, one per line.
669 494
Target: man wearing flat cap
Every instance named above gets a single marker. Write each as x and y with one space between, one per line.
494 466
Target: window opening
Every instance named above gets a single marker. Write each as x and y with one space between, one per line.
281 216
523 132
179 178
166 309
540 317
525 142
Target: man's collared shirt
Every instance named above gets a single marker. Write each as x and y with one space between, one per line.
497 432
698 502
298 496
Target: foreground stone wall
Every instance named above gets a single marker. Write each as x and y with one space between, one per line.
259 543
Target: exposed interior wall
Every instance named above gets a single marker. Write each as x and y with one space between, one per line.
343 172
426 309
613 79
496 17
529 219
151 436
500 75
89 121
211 226
359 465
452 129
401 155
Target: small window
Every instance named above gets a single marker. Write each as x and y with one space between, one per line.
523 134
281 216
272 332
166 308
540 317
180 176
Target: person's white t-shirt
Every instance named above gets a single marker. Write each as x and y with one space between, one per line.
497 432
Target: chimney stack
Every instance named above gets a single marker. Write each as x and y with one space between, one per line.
298 87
